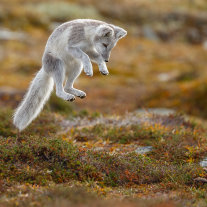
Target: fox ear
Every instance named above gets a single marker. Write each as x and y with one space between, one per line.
104 31
119 32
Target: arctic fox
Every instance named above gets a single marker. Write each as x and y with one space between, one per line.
71 47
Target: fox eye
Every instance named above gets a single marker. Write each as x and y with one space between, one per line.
105 45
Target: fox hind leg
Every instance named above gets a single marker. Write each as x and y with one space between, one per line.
55 68
74 71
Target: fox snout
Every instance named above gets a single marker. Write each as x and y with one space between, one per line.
106 57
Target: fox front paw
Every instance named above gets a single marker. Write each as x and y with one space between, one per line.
103 69
104 72
82 96
88 69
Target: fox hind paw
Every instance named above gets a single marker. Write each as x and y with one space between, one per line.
76 92
71 99
66 96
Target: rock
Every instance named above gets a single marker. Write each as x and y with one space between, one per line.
6 34
170 76
97 149
149 33
164 77
10 96
158 111
143 150
4 90
205 45
205 169
199 179
203 163
194 36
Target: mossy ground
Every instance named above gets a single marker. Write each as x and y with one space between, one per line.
38 165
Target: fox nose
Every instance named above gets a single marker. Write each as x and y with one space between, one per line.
106 61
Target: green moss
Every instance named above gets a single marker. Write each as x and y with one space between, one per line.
56 160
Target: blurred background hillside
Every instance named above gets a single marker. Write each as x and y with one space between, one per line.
92 145
161 63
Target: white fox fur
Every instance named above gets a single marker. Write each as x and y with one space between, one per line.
33 102
71 47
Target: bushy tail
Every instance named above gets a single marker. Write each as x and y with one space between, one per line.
34 100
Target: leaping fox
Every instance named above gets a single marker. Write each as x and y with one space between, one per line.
70 48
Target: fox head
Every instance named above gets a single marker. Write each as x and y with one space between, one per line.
106 38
